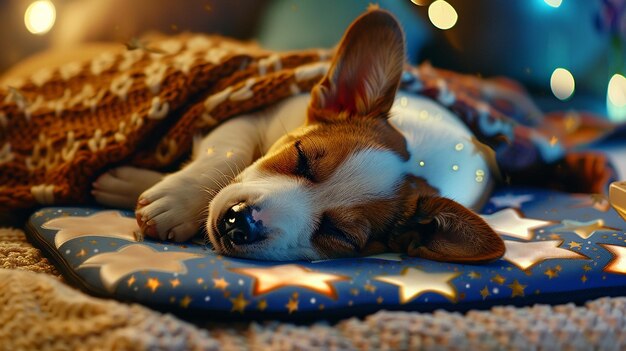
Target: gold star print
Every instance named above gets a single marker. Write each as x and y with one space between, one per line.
184 303
498 279
199 281
574 245
262 305
370 288
598 202
379 300
354 291
554 236
153 284
81 253
587 268
484 292
131 280
473 275
414 282
582 229
618 262
239 303
136 258
551 273
109 224
292 305
509 222
517 289
527 254
583 278
276 277
175 282
220 284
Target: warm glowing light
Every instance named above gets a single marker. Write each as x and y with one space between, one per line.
553 3
562 83
39 17
419 2
616 98
617 90
442 14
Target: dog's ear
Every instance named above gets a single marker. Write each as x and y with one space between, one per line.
440 229
365 71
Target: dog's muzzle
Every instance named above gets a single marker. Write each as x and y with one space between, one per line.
239 226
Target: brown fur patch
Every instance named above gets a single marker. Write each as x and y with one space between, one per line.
368 224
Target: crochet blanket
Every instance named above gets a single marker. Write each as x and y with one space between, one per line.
63 126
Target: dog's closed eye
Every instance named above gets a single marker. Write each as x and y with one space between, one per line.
303 167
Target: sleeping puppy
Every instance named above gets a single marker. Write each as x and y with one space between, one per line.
354 168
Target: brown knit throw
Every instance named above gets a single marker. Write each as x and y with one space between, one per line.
63 126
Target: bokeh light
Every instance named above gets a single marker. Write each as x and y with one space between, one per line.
553 3
40 16
562 83
616 98
617 90
442 14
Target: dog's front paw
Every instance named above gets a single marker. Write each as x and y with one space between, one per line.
170 211
120 187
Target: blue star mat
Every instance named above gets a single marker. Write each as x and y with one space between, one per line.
560 248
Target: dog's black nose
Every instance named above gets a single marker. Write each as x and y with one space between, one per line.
239 226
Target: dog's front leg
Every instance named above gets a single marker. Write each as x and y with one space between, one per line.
176 207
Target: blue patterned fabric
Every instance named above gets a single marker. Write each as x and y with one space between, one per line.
560 248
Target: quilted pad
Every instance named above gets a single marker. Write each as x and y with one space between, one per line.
560 248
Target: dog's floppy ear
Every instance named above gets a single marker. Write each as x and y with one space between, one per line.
365 71
440 229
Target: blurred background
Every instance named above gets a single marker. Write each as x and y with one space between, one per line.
568 53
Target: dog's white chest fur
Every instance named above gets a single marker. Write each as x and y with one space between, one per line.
443 150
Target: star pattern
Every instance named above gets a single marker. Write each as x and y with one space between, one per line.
110 224
598 202
509 222
239 303
280 276
582 229
414 282
153 284
186 300
220 283
135 258
618 262
510 200
528 267
484 292
527 254
517 289
292 305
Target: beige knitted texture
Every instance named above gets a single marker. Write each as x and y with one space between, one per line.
40 313
17 253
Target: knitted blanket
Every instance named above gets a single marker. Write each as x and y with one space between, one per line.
40 312
63 126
